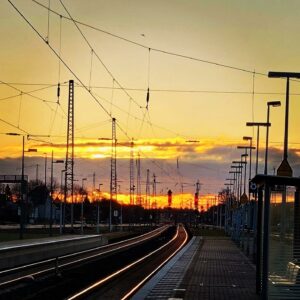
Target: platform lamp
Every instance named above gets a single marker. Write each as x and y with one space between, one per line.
258 125
269 104
285 168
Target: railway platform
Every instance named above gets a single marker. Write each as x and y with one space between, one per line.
207 268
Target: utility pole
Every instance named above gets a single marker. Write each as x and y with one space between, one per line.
113 171
69 164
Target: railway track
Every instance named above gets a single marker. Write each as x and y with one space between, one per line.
78 274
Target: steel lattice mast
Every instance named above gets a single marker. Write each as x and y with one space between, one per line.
154 191
138 181
196 201
113 171
148 206
69 163
131 175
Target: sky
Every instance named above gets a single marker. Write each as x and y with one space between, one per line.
195 71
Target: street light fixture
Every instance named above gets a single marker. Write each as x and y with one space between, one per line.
285 168
269 104
258 125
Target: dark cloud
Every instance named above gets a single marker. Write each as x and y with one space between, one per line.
191 167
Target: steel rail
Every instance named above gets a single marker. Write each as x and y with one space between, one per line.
138 239
135 288
131 265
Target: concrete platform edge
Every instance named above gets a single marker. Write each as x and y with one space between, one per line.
144 291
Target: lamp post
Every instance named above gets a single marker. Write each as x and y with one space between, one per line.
82 181
245 155
235 180
284 168
230 184
98 210
269 104
51 191
258 125
61 206
240 179
250 160
23 212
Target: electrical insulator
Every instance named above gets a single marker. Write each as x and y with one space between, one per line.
147 99
58 92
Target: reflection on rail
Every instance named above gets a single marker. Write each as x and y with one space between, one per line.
46 266
180 235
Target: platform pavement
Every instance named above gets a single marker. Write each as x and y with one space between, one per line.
209 268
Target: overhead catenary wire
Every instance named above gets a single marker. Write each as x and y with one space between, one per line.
9 1
57 55
46 102
65 64
12 85
59 52
20 107
48 23
140 119
148 79
152 48
98 57
91 69
14 126
138 89
112 96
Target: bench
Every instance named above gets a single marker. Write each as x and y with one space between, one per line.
292 276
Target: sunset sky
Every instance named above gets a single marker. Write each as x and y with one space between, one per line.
197 111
